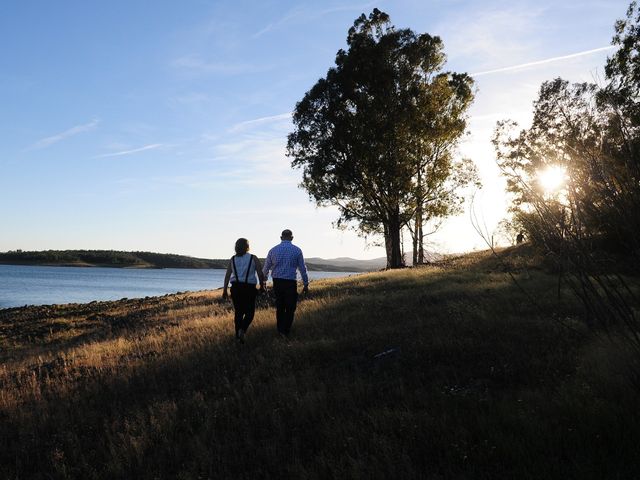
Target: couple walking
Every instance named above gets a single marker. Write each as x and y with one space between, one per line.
282 261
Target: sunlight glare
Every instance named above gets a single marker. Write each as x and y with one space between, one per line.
552 179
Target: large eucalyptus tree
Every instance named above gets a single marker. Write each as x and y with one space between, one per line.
374 136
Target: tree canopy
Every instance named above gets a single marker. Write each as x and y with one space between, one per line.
375 136
592 133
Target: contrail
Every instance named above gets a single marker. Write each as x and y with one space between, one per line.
257 121
542 62
129 152
46 142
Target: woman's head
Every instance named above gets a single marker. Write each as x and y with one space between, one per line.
242 246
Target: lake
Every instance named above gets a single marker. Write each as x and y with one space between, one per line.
28 285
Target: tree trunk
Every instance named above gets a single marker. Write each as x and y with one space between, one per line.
414 238
419 254
392 241
421 245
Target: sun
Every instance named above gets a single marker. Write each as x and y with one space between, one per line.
552 179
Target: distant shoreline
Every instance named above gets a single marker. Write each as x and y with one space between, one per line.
310 266
105 258
146 260
80 265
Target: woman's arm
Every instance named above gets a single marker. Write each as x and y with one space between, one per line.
227 276
268 263
259 272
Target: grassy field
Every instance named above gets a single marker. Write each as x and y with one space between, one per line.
443 372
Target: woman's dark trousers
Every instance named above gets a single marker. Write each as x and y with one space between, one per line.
243 296
286 292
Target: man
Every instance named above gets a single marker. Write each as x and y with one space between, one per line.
283 260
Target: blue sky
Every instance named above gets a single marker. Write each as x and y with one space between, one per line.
161 125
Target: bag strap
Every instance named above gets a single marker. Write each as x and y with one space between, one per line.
235 270
246 278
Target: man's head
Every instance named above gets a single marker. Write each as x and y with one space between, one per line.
286 235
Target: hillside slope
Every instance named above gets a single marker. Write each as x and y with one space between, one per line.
436 372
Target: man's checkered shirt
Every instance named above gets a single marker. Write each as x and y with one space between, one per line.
283 260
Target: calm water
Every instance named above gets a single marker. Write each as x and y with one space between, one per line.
23 285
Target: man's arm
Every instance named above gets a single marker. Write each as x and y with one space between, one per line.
303 272
268 263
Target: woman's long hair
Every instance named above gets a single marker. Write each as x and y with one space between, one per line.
242 246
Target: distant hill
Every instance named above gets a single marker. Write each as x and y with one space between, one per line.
349 264
352 264
120 259
107 258
429 257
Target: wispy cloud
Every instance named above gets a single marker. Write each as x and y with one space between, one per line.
259 121
197 63
541 62
253 152
58 137
254 156
486 33
152 146
305 14
348 8
190 98
282 21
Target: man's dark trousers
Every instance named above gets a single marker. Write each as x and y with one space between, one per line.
286 292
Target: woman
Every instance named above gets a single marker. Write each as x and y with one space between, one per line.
242 271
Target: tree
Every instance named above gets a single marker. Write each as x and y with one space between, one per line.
622 70
584 131
620 97
442 101
374 137
567 135
592 135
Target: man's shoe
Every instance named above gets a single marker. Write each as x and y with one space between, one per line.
240 336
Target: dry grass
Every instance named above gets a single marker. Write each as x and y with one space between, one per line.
476 382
